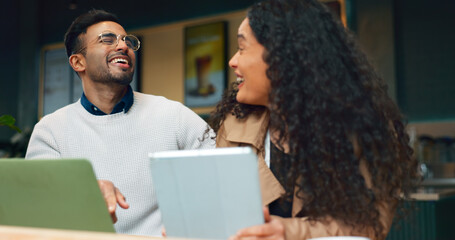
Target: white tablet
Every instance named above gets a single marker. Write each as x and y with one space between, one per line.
210 193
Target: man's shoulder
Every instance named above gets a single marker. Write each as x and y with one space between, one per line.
61 112
156 101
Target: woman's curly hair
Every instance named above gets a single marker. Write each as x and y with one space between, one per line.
325 99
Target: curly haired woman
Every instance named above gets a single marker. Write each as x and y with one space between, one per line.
333 153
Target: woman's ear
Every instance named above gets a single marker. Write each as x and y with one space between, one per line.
77 62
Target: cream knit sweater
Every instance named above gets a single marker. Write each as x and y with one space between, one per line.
117 145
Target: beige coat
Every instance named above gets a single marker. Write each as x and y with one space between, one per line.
251 132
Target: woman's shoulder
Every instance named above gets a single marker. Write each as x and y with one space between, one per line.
249 130
252 119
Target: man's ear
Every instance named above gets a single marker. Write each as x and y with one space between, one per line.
77 62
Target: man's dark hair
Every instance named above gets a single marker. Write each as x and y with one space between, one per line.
73 43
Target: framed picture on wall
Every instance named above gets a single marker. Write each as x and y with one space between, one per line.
59 84
205 64
338 8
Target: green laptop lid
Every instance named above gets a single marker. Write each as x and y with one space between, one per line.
61 194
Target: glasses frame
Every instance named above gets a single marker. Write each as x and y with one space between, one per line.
116 43
123 38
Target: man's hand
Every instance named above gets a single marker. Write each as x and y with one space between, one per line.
112 196
271 229
163 232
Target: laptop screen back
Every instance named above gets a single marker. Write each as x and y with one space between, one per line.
61 194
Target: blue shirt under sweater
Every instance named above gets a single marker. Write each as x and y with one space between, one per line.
123 106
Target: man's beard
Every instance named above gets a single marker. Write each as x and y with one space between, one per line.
124 78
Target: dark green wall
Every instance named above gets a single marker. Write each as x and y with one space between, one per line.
425 50
9 68
29 60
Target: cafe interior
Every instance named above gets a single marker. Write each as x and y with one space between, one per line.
410 43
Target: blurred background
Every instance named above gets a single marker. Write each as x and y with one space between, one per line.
411 43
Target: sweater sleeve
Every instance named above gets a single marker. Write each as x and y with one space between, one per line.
193 131
303 228
42 144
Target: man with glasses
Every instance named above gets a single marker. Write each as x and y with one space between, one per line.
113 126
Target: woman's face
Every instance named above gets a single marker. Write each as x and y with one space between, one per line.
250 68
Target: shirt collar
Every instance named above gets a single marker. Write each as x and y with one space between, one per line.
124 105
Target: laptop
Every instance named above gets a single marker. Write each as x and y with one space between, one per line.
210 193
60 194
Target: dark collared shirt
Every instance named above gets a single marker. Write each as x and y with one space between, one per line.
123 106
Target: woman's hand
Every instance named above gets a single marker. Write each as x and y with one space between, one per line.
271 229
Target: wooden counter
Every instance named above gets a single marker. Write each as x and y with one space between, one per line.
432 194
26 233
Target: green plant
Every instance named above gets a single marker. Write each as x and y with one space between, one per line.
8 120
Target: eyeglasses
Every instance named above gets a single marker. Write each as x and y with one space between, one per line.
131 41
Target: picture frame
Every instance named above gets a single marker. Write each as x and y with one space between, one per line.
338 8
59 84
205 51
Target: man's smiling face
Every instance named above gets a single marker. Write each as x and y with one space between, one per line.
108 63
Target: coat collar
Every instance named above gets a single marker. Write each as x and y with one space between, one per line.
252 129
